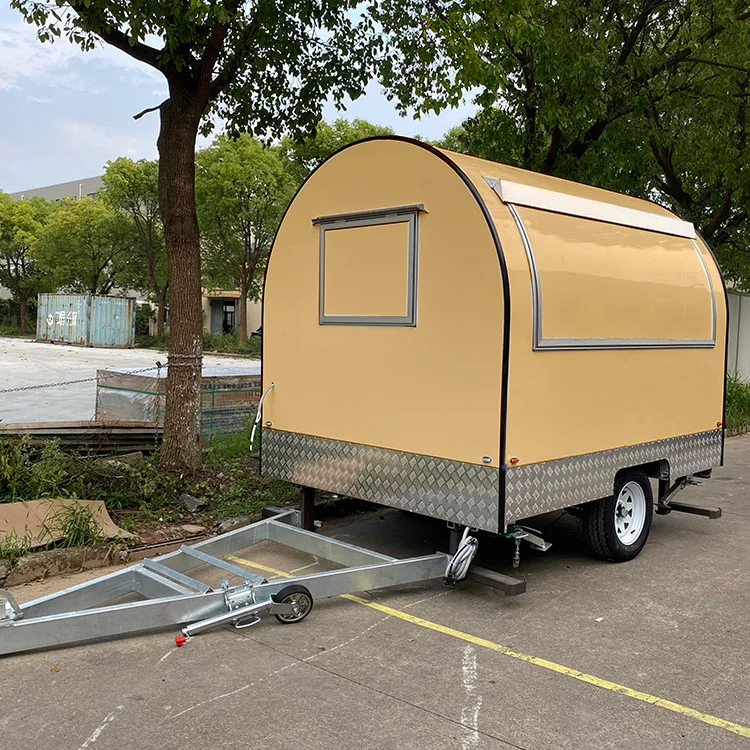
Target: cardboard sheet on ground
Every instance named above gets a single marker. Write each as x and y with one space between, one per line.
39 521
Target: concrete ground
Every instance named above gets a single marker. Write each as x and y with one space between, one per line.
26 362
651 654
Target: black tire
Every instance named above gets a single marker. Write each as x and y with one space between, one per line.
600 519
294 594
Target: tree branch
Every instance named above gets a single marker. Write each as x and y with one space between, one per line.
721 215
98 25
553 151
149 109
636 30
716 64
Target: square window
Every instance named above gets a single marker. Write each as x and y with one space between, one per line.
368 267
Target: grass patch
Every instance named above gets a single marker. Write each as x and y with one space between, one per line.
223 448
229 343
738 405
246 495
12 548
152 342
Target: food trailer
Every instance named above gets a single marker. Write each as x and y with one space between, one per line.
483 344
459 339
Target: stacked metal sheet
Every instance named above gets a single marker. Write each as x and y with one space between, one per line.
229 397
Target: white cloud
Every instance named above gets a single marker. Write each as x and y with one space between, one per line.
39 99
94 141
24 61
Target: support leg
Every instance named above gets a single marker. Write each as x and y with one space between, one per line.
307 508
454 537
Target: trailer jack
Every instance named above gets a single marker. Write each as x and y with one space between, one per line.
665 504
171 594
524 533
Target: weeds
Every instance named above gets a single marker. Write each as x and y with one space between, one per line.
227 343
139 492
72 525
230 343
13 547
28 472
737 405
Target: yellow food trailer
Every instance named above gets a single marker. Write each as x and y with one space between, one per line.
482 344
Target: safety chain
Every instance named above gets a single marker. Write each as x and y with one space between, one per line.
158 366
193 360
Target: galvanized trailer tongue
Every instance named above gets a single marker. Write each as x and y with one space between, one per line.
170 596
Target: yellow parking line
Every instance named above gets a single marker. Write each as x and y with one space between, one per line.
614 687
258 566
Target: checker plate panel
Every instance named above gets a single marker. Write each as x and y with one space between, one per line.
464 493
551 485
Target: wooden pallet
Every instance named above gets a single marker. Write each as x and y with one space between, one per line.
93 436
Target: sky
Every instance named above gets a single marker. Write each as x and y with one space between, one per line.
64 113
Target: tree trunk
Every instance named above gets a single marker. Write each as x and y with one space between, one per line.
23 302
161 312
242 313
180 116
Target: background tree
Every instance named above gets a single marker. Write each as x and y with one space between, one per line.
85 246
305 154
242 190
643 96
132 187
266 66
21 223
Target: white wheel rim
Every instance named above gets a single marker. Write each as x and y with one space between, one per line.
630 512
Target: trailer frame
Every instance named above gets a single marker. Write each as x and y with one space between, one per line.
171 597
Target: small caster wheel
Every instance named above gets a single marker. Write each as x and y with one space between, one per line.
301 600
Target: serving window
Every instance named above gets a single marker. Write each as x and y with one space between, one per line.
603 285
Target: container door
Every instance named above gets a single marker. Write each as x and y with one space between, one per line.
112 322
62 318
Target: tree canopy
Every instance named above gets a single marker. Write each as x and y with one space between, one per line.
132 188
21 223
243 189
85 246
305 154
643 96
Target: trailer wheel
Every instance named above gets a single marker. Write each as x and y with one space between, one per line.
617 527
297 595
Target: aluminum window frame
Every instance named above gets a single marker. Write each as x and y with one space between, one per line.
407 214
596 211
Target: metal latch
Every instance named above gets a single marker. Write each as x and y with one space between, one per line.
9 609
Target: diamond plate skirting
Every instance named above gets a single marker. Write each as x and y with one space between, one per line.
468 494
451 490
551 485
